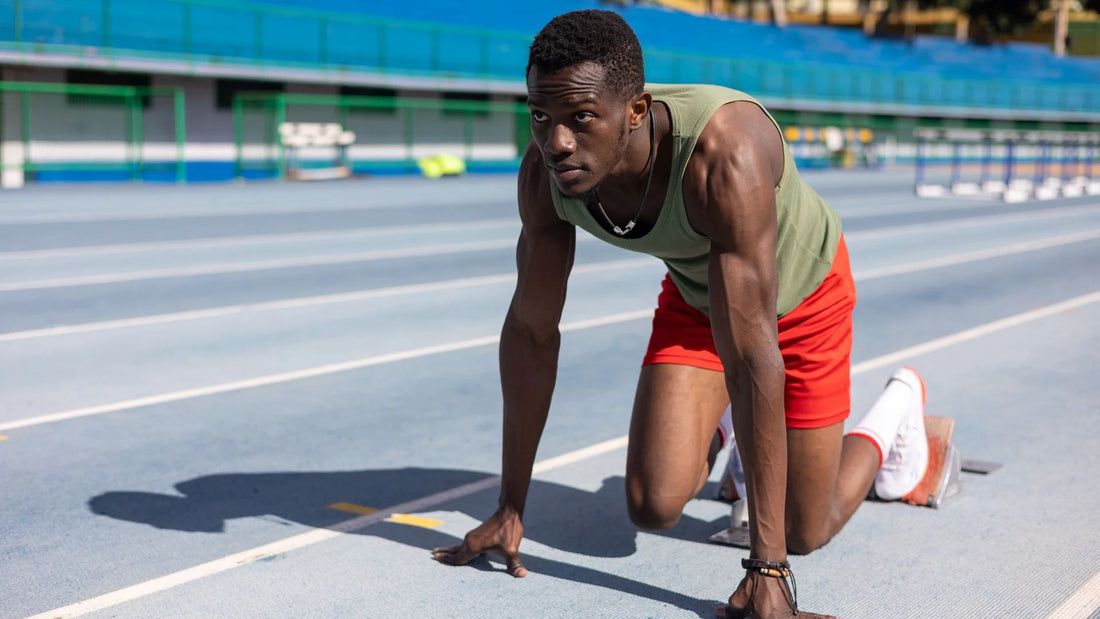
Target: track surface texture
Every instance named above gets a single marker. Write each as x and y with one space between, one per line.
192 377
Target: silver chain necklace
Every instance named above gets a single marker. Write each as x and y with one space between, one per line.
634 220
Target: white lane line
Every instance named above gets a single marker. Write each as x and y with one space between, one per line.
910 267
344 297
261 265
579 455
266 265
965 222
341 207
312 537
849 210
355 524
976 332
284 377
1082 603
225 241
272 379
259 239
257 265
974 256
320 209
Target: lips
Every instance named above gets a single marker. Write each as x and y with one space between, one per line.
565 174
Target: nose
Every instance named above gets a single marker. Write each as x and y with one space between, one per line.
560 141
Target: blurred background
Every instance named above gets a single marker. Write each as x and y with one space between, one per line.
214 90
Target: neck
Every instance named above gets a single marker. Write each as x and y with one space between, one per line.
629 226
641 154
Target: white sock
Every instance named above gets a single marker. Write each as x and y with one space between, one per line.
725 426
880 424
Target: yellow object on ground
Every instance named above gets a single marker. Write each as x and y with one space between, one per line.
362 510
408 519
443 164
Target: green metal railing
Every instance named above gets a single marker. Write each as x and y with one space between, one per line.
130 101
274 109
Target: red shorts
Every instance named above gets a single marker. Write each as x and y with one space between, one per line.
815 339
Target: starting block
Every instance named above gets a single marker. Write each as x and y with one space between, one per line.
941 482
737 534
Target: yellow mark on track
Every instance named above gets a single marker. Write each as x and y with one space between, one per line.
3 438
415 521
353 508
409 519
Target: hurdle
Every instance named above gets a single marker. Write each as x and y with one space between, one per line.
1039 165
961 146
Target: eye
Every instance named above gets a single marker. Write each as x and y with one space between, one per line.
584 117
538 116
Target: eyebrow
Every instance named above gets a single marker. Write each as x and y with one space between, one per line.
587 100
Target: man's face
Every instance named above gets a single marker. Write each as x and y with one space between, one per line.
578 124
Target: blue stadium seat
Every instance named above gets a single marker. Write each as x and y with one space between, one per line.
798 61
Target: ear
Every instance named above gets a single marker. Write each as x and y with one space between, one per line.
639 110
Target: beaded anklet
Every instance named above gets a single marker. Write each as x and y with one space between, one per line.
776 569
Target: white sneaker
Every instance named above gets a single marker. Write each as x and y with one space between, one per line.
907 461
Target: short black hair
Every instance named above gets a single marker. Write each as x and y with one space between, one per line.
600 37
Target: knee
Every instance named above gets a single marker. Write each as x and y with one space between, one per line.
652 513
804 540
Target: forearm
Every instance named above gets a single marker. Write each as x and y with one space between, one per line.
756 389
528 370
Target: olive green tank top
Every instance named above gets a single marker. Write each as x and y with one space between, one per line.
809 229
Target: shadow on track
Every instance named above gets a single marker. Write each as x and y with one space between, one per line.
562 517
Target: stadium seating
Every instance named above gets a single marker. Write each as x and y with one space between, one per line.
709 36
488 39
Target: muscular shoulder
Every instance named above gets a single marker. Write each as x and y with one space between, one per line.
738 154
536 207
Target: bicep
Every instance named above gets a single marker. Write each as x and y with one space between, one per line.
742 274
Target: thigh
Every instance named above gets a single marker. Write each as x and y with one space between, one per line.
676 410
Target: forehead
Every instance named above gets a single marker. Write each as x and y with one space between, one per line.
581 83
